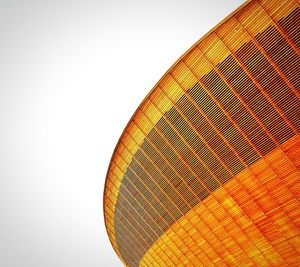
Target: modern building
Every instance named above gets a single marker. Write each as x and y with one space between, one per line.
207 171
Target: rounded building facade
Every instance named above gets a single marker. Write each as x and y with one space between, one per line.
207 171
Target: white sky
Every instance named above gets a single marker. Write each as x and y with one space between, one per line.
71 75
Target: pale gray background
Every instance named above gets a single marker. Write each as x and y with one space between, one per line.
71 75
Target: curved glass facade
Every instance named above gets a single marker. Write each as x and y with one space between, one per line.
207 171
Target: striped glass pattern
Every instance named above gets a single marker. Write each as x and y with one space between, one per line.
207 172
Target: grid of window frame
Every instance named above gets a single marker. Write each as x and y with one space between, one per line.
229 105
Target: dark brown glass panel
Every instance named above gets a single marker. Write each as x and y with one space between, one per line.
232 105
144 229
122 217
142 212
257 65
136 196
291 25
189 158
279 50
129 234
220 121
274 85
169 174
207 133
131 257
156 192
178 165
205 154
165 186
148 195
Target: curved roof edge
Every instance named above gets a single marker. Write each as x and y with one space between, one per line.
232 14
